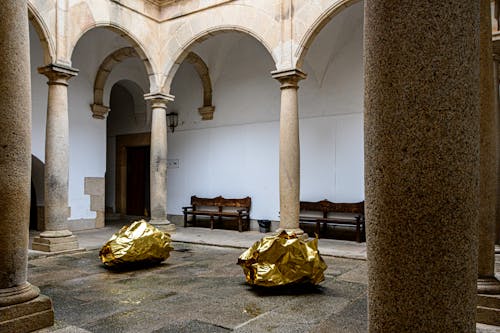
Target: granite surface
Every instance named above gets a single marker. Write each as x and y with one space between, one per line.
421 164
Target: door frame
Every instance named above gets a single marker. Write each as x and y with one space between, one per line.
122 142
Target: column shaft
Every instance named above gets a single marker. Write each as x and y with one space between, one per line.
15 147
289 163
421 164
158 161
18 298
56 236
487 283
496 108
57 158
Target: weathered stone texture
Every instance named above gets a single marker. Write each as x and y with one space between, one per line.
421 164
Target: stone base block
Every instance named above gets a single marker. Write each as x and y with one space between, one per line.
488 316
164 226
488 309
28 316
99 219
488 285
55 244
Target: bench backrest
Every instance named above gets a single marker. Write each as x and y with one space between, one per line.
221 202
326 207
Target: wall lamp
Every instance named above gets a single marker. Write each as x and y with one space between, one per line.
172 120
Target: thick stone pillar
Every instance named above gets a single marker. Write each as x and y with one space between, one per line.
421 164
487 283
289 172
496 107
22 308
56 236
158 160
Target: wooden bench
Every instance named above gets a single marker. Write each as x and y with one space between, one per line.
219 207
327 212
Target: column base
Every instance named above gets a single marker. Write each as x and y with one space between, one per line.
488 285
18 294
54 244
27 316
297 231
55 233
163 225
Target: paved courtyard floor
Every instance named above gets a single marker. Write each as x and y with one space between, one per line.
198 289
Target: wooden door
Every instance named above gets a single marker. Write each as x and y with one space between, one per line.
138 180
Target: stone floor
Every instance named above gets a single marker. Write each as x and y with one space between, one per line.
199 289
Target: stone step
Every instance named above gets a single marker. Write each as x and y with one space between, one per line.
488 309
488 316
488 301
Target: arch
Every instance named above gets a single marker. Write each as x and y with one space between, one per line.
207 109
99 110
311 33
127 35
42 31
182 52
137 95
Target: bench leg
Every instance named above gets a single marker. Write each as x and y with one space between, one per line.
193 220
211 222
240 226
318 225
185 220
358 232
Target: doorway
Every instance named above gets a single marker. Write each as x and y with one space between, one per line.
138 202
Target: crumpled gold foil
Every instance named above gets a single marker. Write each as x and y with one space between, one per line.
283 259
139 242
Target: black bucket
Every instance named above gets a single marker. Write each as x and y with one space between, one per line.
264 225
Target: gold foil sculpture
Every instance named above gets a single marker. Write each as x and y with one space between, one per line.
283 259
139 242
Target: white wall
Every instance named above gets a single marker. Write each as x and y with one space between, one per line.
38 115
39 90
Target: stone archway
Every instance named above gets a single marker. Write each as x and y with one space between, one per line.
182 52
315 28
42 30
207 109
99 110
138 48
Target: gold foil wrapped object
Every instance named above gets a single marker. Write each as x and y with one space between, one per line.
139 242
283 259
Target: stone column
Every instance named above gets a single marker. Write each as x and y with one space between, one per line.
22 308
487 283
496 107
421 164
56 236
158 161
289 171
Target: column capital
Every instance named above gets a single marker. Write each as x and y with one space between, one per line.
159 100
57 73
207 112
289 78
99 111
